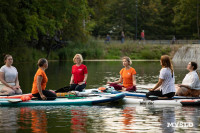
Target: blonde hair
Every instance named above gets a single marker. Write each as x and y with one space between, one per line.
127 59
166 62
81 58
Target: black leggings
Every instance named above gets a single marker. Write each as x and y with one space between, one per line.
77 87
48 94
159 94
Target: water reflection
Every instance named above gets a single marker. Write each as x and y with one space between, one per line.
168 117
115 118
32 119
78 120
129 118
8 119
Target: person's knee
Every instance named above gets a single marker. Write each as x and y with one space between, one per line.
10 92
18 91
182 91
80 87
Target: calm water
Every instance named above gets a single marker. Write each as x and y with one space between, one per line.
108 118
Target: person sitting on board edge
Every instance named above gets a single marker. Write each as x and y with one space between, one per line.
191 83
79 74
40 81
9 78
166 80
127 76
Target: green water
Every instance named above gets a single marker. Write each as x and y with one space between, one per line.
107 118
99 72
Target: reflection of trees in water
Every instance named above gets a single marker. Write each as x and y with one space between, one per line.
8 120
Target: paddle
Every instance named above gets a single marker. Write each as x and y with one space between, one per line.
19 100
34 98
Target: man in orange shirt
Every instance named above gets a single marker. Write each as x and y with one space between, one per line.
127 76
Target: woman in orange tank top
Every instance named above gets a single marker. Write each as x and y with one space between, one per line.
127 76
40 81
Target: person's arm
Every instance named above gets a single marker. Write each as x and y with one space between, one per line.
116 82
17 86
2 79
160 81
72 79
39 81
134 80
84 80
192 82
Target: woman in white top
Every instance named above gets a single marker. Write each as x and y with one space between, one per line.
191 83
9 78
165 88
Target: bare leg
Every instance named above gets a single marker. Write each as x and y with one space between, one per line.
182 91
6 91
18 91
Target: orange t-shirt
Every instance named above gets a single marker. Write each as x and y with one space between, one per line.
39 72
127 76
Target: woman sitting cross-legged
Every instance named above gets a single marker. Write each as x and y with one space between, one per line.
127 76
79 74
166 80
191 83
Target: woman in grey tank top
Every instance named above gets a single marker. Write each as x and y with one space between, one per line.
9 78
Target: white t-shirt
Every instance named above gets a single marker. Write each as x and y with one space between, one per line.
192 79
10 73
168 83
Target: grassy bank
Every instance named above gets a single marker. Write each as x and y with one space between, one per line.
96 50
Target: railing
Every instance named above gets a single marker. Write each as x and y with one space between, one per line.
153 41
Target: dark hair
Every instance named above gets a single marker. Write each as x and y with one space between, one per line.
195 66
41 62
6 56
166 62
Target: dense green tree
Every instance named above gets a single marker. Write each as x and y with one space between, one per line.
186 18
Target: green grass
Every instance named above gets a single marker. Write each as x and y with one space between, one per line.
94 49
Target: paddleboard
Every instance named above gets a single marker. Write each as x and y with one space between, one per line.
101 99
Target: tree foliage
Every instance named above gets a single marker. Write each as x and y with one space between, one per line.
49 23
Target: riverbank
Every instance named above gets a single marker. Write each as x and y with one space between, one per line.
94 50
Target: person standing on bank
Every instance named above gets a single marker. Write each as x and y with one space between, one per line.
9 78
40 81
79 74
122 37
166 80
